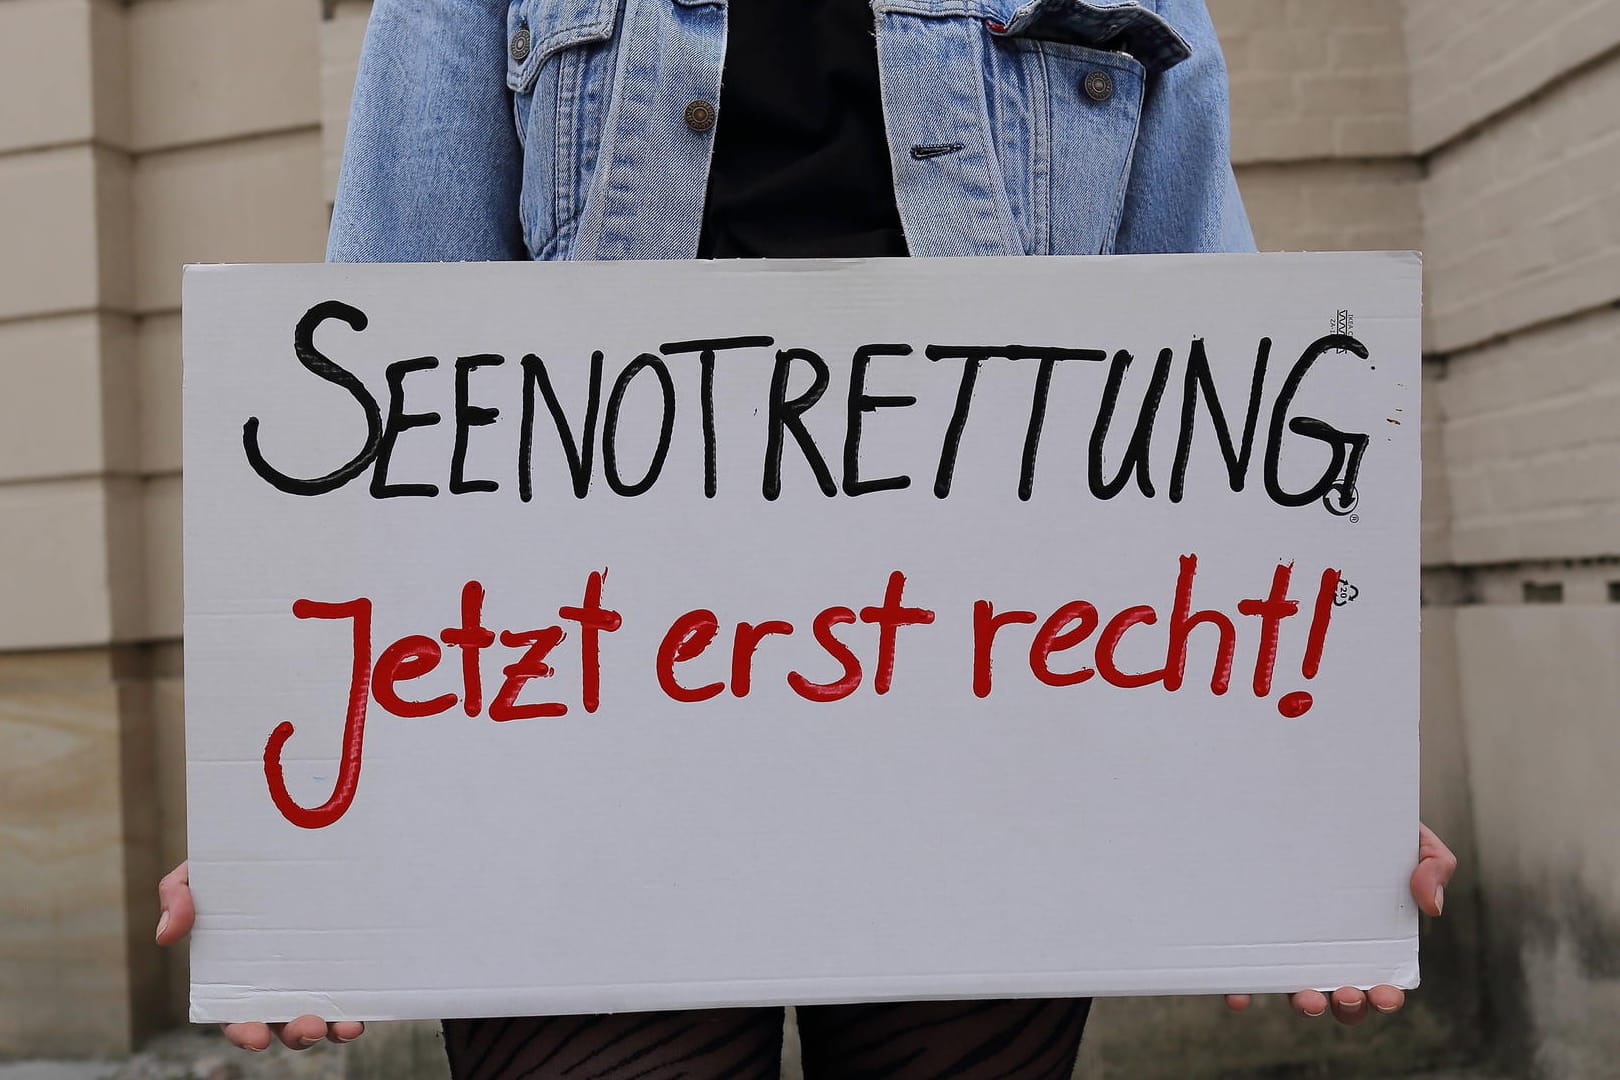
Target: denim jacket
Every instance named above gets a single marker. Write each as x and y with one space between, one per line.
576 129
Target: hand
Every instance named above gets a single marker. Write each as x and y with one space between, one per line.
1435 866
174 896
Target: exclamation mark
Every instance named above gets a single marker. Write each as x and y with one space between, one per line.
1299 702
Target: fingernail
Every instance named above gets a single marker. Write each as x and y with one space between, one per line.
1439 899
1349 1006
1386 1009
306 1043
163 922
1314 1015
258 1049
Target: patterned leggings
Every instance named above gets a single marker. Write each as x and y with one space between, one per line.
962 1040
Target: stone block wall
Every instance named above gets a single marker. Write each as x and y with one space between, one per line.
138 135
134 138
1514 118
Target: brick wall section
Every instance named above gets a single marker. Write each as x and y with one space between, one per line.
1514 109
1472 60
1521 221
1320 123
1523 218
1523 225
1532 444
1334 205
1313 79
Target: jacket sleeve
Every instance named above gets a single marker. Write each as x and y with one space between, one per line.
432 164
1182 196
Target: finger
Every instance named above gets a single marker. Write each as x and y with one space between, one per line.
174 900
1238 1002
303 1033
1349 1006
248 1036
1386 999
1311 1003
345 1031
1436 864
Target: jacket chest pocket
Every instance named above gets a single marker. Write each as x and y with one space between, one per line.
561 57
1076 73
1068 156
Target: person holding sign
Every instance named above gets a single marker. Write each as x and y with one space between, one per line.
486 130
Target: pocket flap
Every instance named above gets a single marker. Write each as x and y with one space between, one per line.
1109 25
535 29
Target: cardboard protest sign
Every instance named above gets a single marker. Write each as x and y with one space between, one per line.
614 636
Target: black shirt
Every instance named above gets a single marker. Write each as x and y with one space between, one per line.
801 162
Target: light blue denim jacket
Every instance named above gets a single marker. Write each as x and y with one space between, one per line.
556 129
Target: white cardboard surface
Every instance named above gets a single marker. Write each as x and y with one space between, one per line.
923 843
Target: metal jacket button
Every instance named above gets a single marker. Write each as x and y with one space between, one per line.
700 116
520 44
1099 86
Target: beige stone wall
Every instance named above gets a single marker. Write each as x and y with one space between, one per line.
1315 80
128 147
1516 117
76 820
137 136
1476 61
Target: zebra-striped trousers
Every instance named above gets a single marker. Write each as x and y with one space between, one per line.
962 1040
